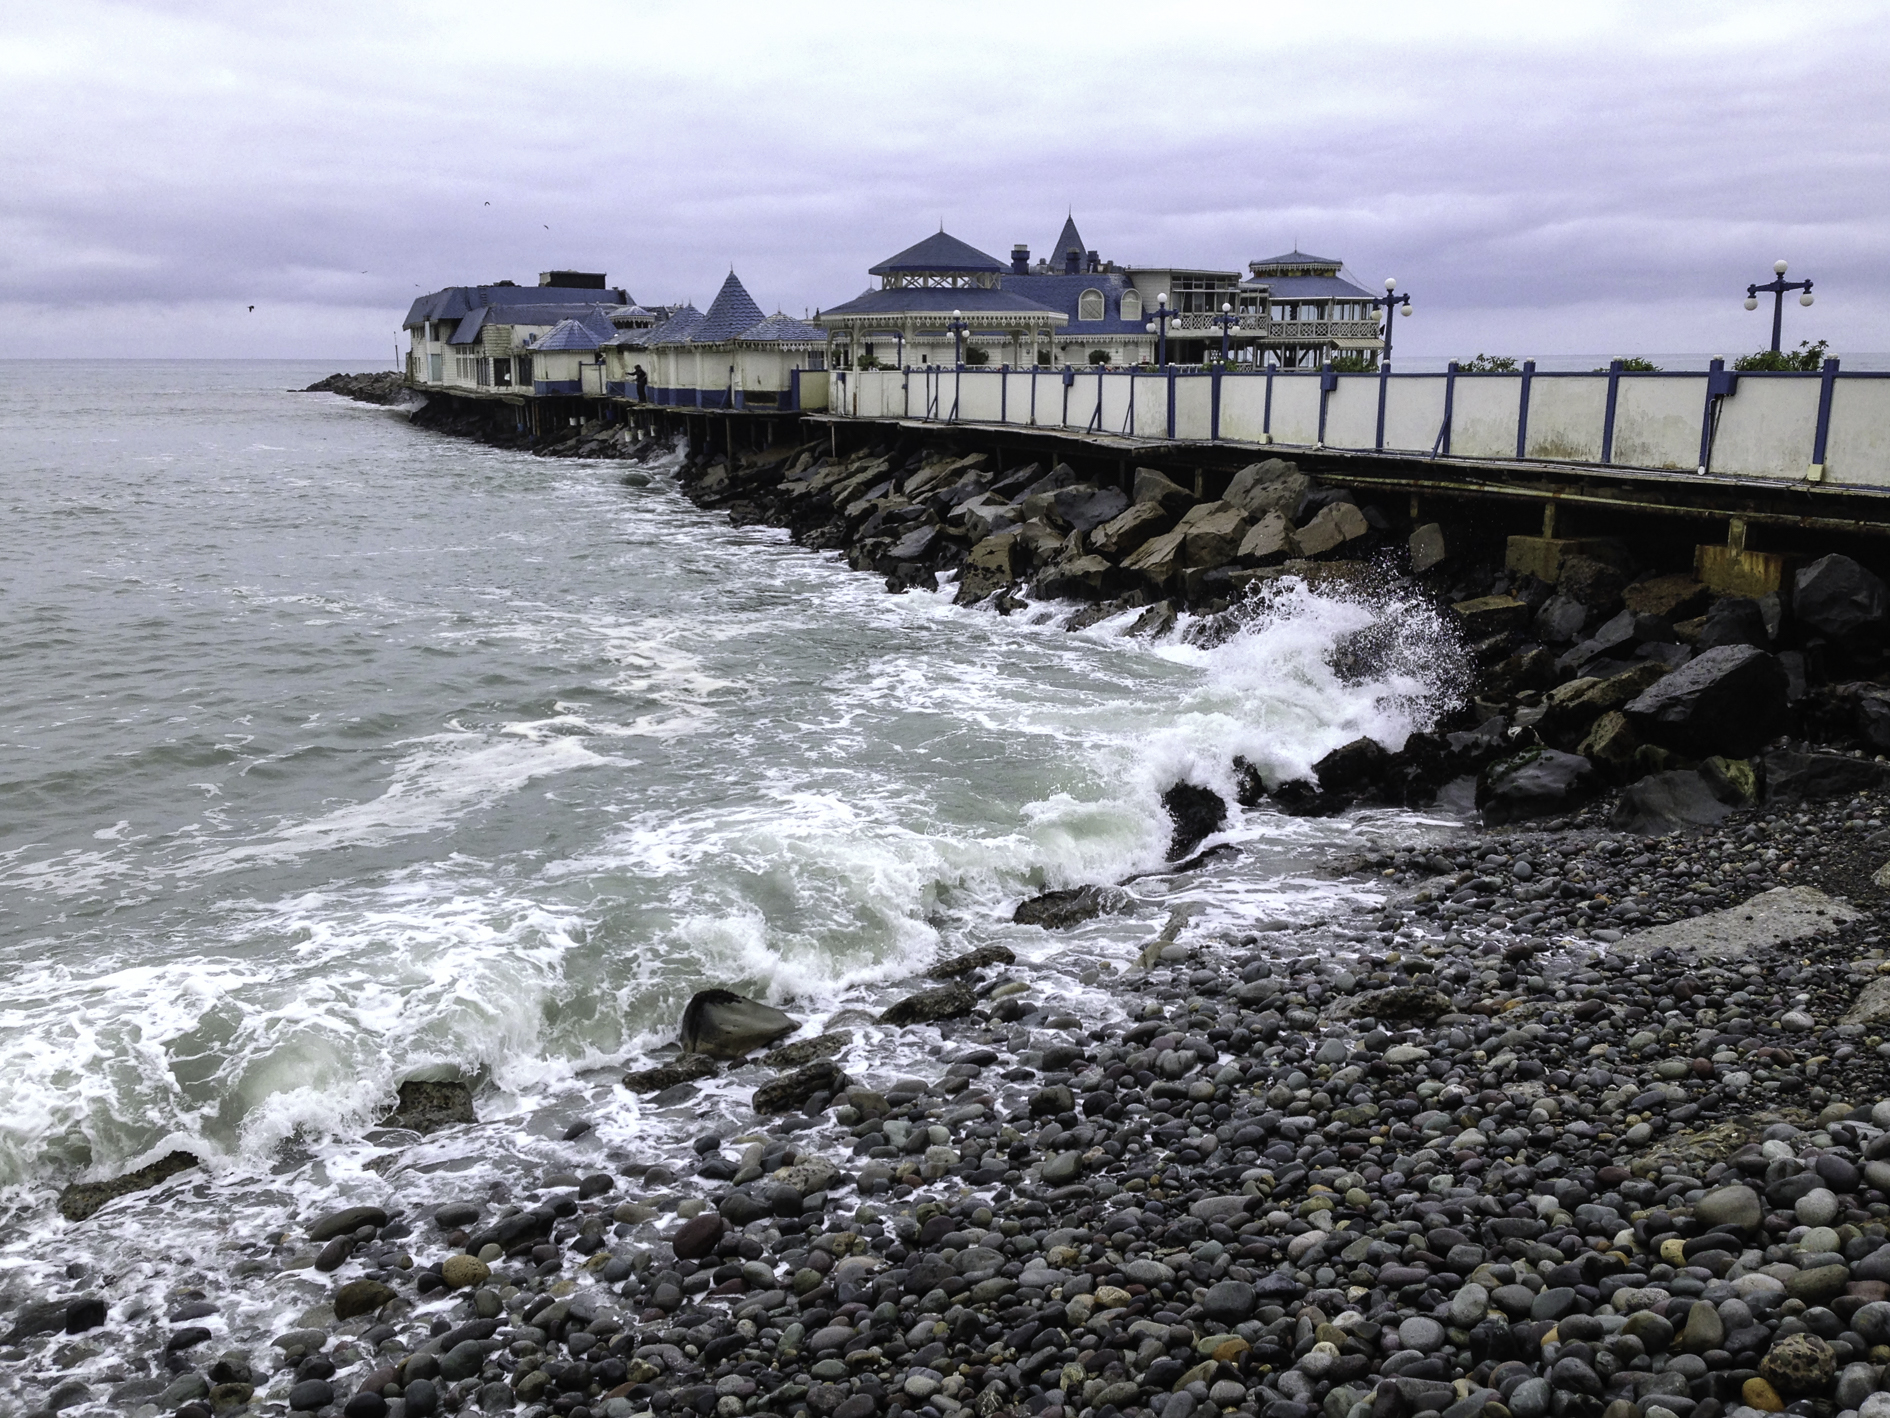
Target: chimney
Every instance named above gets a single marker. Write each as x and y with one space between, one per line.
1020 260
1072 262
1095 261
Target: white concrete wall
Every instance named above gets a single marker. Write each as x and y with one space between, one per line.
1194 406
1414 411
1483 416
1352 412
1295 408
1657 421
1768 427
1858 448
1566 415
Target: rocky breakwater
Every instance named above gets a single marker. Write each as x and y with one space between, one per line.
1619 680
380 387
1304 1177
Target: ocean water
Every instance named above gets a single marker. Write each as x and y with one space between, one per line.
337 753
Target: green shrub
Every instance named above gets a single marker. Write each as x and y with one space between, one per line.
1487 364
1099 356
1634 364
977 354
1806 359
1351 362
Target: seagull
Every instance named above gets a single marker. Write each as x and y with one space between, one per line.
486 204
252 307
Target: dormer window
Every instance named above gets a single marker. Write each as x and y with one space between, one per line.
1131 305
1089 305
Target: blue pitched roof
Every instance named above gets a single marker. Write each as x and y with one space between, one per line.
547 315
1069 239
783 329
569 335
455 301
938 252
938 300
732 311
1296 257
676 329
1310 287
1064 292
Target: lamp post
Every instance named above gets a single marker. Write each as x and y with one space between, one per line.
1778 286
1226 321
1158 327
958 329
1390 302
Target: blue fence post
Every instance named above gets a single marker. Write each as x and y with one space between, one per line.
1266 416
1069 383
1214 407
1033 396
1004 393
1607 420
1718 385
1827 385
1522 409
1328 381
1171 405
1384 376
1442 444
794 390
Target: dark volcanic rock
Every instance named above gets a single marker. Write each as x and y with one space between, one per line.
345 1222
429 1106
725 1025
1729 701
1349 767
1197 813
1792 776
805 1051
1665 802
946 1002
81 1199
686 1068
1055 910
972 961
792 1090
1734 620
1839 600
1533 784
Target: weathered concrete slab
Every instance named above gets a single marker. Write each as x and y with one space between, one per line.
1776 917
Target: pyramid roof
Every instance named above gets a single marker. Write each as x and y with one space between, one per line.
940 252
1069 239
732 311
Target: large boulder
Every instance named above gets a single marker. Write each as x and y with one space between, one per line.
986 516
725 1025
1838 600
992 565
1332 528
1560 619
792 1090
1792 777
1272 486
1211 534
1269 542
1734 620
1350 767
1082 508
945 1002
1728 701
1535 783
1121 536
1159 559
1151 486
1078 579
1666 802
1197 812
1676 597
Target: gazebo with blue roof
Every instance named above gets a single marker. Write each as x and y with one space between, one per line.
728 356
926 290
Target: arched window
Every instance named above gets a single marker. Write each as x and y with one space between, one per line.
1131 305
1089 305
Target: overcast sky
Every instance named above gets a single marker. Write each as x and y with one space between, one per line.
1591 179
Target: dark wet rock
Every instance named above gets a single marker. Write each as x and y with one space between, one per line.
1153 486
685 1068
428 1106
805 1051
1228 1302
84 1313
1416 1003
346 1222
1058 910
945 1002
81 1199
1082 578
1272 486
1536 783
1667 802
1082 507
361 1297
1729 701
972 961
309 1395
698 1236
1795 776
384 386
1836 598
793 1090
1799 1364
1350 767
1196 812
725 1025
1734 620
